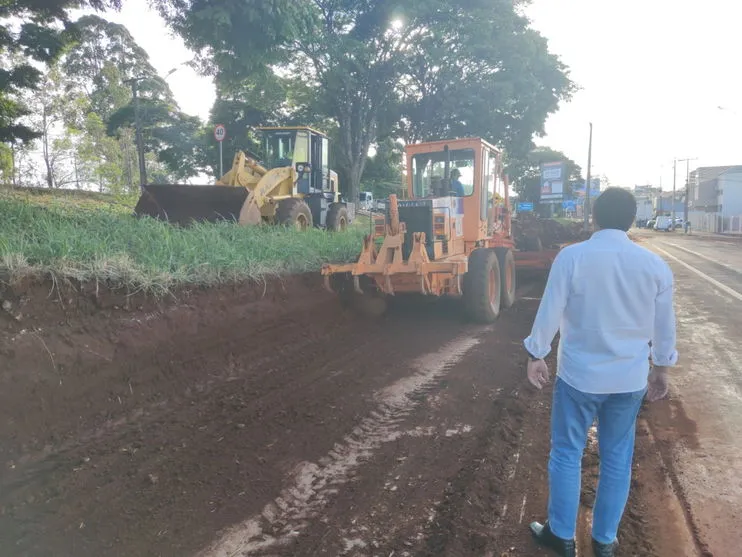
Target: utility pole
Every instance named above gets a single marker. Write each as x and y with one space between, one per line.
674 176
587 182
138 130
687 186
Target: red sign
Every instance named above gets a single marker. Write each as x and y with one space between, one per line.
220 132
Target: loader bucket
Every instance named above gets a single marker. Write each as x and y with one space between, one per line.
183 204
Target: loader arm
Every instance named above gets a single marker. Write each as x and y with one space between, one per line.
245 172
271 181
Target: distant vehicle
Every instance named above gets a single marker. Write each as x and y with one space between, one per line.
651 223
366 201
679 223
663 224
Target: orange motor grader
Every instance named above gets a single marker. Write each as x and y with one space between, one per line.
451 236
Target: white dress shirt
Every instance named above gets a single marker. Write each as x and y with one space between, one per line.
609 298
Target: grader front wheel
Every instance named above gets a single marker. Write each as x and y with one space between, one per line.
482 286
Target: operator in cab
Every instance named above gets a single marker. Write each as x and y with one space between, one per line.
456 186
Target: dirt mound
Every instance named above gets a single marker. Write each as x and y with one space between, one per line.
532 233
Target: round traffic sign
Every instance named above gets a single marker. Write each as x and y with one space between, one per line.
220 132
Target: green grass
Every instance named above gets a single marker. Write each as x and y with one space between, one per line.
103 242
71 200
566 221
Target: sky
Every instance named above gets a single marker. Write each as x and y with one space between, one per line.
653 75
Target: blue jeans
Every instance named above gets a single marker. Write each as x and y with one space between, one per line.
572 415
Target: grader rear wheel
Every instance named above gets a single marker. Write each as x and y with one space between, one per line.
482 286
506 259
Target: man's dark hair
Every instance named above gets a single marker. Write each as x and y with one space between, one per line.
615 209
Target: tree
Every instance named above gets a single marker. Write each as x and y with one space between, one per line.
166 131
527 173
47 113
103 57
383 174
241 107
480 70
43 33
7 171
361 61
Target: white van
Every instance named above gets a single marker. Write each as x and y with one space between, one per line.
663 223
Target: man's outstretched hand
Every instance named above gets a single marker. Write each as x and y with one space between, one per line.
658 384
538 373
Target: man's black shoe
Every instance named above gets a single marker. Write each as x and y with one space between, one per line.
546 538
604 549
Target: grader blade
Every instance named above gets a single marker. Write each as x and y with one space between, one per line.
184 204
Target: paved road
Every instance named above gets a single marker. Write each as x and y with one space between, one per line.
706 419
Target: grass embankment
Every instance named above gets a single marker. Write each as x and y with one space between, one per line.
98 240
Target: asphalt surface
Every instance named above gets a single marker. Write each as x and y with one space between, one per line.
703 427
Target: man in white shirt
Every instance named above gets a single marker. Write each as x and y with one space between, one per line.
612 303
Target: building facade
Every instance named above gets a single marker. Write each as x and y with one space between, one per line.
715 200
663 203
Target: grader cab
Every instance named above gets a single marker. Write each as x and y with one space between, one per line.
450 237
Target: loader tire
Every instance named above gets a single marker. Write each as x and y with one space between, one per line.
482 290
294 213
337 218
506 259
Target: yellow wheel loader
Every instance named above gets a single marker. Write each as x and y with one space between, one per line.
293 186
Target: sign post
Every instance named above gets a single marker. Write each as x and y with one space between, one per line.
220 134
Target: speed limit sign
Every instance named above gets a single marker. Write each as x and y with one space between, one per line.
220 132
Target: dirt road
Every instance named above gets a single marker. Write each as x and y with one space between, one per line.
268 421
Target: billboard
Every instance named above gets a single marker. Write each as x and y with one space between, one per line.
579 189
552 181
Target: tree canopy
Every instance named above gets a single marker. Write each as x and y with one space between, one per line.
415 69
368 73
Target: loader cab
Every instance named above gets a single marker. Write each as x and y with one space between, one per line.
456 195
302 148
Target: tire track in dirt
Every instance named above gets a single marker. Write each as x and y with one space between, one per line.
438 492
313 483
